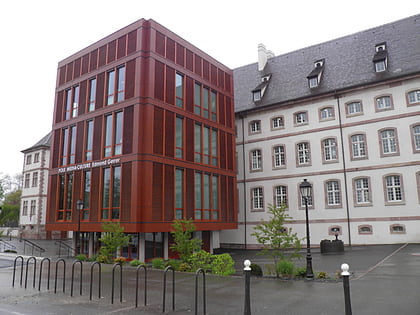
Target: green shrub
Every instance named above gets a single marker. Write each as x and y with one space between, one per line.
120 260
201 259
300 272
256 270
102 259
285 267
322 275
92 258
158 263
81 257
185 267
174 263
136 262
223 265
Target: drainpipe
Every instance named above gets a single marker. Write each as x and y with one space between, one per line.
244 181
344 167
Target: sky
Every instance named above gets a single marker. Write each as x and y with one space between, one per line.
36 35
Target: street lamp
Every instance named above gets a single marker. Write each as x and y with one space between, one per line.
79 205
306 192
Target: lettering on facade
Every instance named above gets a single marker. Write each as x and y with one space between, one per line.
88 165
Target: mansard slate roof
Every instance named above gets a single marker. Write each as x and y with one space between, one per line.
348 63
45 142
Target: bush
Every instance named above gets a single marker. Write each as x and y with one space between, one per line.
120 260
158 263
102 259
136 262
285 267
93 258
174 263
256 270
300 272
81 257
185 267
223 265
322 275
201 259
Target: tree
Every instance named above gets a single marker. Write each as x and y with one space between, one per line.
184 244
279 242
112 239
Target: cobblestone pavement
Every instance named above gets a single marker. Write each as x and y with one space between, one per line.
385 280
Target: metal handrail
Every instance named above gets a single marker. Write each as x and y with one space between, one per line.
7 244
33 245
66 246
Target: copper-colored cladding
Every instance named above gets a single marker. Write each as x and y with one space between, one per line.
151 55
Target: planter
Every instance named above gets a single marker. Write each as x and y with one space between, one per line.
332 247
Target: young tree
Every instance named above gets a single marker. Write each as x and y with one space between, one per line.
184 244
279 243
112 239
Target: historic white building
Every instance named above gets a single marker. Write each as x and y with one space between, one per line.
34 189
345 115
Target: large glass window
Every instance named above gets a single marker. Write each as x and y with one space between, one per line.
89 140
179 194
75 109
120 83
205 145
414 97
65 198
92 94
111 87
197 99
179 90
68 104
113 134
205 101
213 100
86 194
416 138
111 193
35 179
68 149
206 197
179 138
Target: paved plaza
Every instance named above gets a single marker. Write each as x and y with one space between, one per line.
385 280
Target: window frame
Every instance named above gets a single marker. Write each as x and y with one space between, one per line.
414 135
254 127
297 117
260 199
360 227
331 113
389 142
283 195
400 186
307 155
110 207
331 149
277 118
365 148
393 226
416 93
259 160
358 113
281 154
381 97
328 192
369 201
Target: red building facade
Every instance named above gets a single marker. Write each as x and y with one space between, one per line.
143 134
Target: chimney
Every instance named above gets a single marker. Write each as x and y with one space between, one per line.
263 56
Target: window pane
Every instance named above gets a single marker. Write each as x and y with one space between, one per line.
89 140
179 90
105 190
179 140
118 133
92 94
108 135
121 84
111 88
86 190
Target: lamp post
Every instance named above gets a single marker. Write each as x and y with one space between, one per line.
306 192
79 205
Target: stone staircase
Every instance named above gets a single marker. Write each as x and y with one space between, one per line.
38 248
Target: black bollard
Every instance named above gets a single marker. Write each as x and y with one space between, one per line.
247 271
346 285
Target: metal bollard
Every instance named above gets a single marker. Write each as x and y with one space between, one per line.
346 285
247 271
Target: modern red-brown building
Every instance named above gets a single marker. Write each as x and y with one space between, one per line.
143 134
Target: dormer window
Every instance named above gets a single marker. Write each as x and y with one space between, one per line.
314 78
258 92
380 59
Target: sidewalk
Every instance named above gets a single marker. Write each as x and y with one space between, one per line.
385 281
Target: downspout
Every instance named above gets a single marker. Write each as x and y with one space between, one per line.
244 182
344 167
